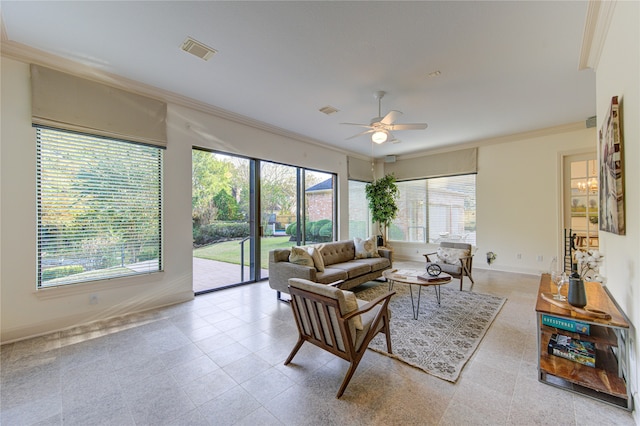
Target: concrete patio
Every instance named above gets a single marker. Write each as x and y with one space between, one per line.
211 274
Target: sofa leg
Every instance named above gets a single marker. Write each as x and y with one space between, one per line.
280 299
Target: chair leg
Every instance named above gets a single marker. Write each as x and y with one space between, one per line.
295 350
388 334
347 378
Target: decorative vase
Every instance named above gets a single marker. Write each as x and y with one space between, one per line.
577 296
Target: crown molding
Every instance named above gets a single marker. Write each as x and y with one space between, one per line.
596 27
23 53
27 54
515 137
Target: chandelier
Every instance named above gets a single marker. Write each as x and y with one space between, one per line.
591 186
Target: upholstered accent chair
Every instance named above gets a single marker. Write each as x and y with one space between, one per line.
334 320
456 259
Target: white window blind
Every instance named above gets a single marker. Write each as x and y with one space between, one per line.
99 208
359 217
437 209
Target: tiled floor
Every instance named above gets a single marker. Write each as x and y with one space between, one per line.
218 360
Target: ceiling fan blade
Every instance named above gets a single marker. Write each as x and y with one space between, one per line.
391 117
392 139
361 133
408 126
357 124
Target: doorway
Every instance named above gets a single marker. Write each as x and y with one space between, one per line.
581 199
243 208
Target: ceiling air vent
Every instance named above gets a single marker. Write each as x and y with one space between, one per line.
328 110
198 49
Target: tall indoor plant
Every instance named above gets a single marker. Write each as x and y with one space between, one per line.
382 195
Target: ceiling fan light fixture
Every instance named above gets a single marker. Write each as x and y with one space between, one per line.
379 137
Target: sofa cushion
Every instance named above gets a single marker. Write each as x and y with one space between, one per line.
376 263
300 256
317 257
353 269
451 255
331 275
337 252
366 248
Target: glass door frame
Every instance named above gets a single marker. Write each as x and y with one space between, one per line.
256 228
567 195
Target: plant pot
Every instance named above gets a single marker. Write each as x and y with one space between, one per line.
577 295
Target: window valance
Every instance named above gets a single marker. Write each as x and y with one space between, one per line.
359 169
72 103
452 163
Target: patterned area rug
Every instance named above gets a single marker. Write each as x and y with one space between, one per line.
443 338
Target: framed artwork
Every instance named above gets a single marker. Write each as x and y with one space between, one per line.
611 171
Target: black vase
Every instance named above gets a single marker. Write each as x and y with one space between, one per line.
577 296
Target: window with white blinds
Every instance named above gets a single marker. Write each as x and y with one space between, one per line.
435 210
99 208
359 217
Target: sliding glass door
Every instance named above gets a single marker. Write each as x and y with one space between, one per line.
236 199
222 220
278 207
319 207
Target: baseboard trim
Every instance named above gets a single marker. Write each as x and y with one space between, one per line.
65 323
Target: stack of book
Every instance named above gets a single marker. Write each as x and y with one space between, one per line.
566 324
430 278
572 349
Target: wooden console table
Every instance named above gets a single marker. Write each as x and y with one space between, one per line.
607 380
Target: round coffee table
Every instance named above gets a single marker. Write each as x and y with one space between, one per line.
416 277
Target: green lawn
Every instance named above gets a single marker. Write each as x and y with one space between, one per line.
229 251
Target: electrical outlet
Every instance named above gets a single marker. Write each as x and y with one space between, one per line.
93 299
540 258
519 256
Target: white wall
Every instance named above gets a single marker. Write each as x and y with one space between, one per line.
618 74
518 200
25 311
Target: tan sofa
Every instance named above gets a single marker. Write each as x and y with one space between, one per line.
340 265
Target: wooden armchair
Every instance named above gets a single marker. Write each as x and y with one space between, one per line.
456 259
334 320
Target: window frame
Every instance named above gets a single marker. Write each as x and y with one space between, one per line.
424 216
62 139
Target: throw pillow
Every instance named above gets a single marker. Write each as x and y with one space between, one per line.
352 305
317 258
366 248
300 256
451 255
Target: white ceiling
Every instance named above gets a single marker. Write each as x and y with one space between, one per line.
506 67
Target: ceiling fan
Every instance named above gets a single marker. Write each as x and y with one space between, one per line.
380 127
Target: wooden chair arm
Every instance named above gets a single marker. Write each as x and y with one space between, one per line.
426 255
370 305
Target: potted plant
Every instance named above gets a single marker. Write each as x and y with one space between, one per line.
382 195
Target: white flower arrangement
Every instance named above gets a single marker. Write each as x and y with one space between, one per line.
589 265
